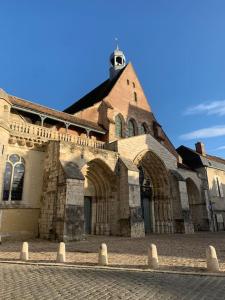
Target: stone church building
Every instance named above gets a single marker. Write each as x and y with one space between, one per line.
102 166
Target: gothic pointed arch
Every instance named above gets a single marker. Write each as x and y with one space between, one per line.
155 188
119 126
100 192
195 204
143 128
132 127
14 178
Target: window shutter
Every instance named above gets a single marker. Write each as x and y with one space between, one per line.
221 189
217 186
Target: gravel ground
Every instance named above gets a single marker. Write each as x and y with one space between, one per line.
176 252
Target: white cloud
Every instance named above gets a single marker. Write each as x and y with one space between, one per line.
209 108
209 132
221 148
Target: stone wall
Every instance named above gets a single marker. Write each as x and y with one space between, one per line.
216 197
132 147
33 180
49 224
123 203
4 133
131 220
81 155
178 222
19 223
74 210
19 219
135 147
123 191
199 210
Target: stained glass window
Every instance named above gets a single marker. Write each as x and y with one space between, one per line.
131 128
14 158
13 178
17 183
118 126
143 128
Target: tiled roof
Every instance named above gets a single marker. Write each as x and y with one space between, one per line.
20 103
215 158
94 96
168 144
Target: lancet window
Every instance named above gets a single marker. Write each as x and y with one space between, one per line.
13 178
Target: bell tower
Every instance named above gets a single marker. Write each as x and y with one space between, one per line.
117 62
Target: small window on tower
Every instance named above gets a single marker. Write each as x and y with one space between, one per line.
119 60
133 84
128 82
135 96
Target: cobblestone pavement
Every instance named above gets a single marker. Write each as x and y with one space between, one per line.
176 252
51 282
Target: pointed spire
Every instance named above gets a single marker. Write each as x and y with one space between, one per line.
117 46
117 61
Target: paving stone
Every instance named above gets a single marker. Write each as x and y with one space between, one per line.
52 282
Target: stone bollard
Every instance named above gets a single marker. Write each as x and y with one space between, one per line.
211 259
24 254
153 261
61 255
103 255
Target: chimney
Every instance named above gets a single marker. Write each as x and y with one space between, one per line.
180 159
200 148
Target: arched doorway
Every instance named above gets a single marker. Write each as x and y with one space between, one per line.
99 193
155 193
195 204
147 207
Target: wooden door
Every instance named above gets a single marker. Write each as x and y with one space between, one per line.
87 215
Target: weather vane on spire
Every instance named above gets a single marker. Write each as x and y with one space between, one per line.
116 40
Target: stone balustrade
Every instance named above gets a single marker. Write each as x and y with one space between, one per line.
43 134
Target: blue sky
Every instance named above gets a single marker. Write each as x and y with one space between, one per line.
54 51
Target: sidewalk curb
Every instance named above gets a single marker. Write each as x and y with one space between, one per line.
113 268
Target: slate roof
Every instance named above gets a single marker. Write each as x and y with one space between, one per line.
94 96
21 103
217 159
195 159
